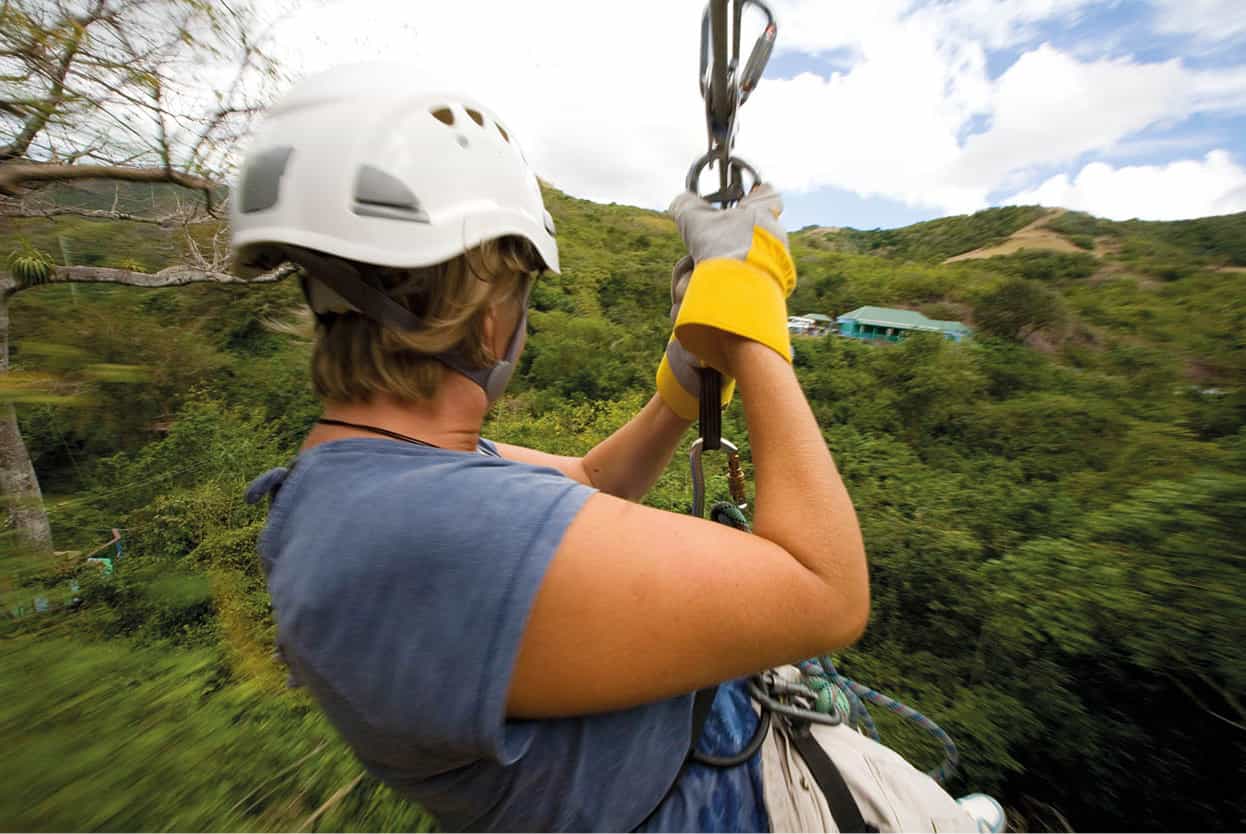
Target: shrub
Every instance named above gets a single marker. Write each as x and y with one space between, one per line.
1018 308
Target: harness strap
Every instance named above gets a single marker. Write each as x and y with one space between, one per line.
844 809
702 703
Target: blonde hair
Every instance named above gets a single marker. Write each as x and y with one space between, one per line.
355 358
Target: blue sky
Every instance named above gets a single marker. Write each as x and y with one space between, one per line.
1132 31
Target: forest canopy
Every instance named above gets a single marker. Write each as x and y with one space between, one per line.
1054 510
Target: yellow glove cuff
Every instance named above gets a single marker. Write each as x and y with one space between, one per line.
679 399
747 298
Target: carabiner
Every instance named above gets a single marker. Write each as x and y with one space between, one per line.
725 88
757 59
735 476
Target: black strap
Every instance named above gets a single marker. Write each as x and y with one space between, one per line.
844 809
378 430
702 703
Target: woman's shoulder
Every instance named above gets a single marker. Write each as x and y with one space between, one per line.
382 500
374 475
404 578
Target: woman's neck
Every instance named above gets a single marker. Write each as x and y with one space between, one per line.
451 419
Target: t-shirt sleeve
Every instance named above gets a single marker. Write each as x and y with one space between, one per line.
416 622
558 500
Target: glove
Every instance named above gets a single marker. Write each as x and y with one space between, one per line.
679 378
742 272
742 276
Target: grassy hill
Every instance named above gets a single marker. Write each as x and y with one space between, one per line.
1053 510
933 240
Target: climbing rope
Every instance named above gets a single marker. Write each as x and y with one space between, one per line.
836 698
729 514
821 676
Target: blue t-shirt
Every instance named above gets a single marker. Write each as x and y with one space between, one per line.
401 578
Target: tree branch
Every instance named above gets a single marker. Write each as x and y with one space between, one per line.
174 276
167 221
45 109
13 176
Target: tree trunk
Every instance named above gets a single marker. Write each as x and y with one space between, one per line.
19 487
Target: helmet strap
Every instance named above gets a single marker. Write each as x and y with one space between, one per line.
343 280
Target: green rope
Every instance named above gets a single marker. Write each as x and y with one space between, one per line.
724 512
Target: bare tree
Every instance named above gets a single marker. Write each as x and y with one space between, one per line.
126 91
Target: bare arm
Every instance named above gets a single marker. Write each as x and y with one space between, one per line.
640 604
627 463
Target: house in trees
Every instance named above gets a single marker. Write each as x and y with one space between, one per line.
810 324
886 324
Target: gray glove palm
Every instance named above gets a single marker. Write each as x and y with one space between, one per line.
710 233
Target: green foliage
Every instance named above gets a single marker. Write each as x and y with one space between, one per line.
30 266
1157 577
932 241
1073 224
1051 267
120 737
150 602
1220 238
1055 532
131 264
198 470
98 242
572 356
1017 308
1217 240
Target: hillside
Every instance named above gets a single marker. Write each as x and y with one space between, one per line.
1054 510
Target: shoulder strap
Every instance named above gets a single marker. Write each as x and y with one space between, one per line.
844 809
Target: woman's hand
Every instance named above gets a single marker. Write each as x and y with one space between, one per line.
679 373
742 276
730 254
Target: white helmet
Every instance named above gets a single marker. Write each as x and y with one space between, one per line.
359 164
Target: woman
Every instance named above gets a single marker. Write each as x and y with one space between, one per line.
499 633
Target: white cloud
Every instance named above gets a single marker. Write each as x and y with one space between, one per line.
890 125
1211 21
604 99
1050 108
1003 23
1188 188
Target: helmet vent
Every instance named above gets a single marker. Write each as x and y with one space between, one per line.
476 117
378 194
505 138
261 182
444 115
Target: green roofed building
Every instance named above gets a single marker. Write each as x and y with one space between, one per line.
887 324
